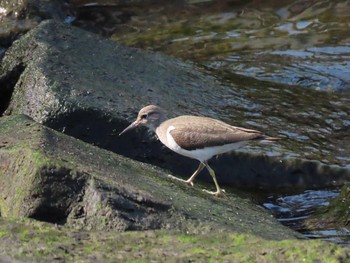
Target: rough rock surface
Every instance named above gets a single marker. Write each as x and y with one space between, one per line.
49 176
27 241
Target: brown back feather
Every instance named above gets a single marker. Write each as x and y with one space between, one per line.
193 132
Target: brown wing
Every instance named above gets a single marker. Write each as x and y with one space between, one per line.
193 132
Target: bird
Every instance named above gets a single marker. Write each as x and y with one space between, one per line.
196 137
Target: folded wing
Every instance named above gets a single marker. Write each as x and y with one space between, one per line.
193 132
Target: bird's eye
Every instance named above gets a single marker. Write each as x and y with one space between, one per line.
143 116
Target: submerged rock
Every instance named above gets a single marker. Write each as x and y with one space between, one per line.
89 88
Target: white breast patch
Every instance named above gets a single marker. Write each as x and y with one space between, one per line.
170 140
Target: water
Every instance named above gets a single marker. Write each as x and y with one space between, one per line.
289 42
293 210
339 236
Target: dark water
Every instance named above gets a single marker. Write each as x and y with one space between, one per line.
304 43
293 210
340 236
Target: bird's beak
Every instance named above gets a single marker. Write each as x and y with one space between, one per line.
130 127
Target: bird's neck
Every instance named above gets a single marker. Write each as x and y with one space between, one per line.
154 126
162 119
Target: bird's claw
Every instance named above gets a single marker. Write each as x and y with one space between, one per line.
218 193
190 183
175 178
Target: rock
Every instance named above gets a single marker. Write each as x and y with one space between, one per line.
38 242
91 88
29 241
52 177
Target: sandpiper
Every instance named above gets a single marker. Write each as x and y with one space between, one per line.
196 137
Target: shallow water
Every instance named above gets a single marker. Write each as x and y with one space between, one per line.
340 236
292 210
291 42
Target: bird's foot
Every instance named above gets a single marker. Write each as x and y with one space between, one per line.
176 178
218 193
189 182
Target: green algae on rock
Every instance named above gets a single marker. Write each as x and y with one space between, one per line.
41 242
49 176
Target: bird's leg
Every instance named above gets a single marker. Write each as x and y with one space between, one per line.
191 179
218 192
194 175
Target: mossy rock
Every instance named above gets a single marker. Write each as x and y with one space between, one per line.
28 240
49 176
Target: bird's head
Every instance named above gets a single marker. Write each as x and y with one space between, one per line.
150 116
